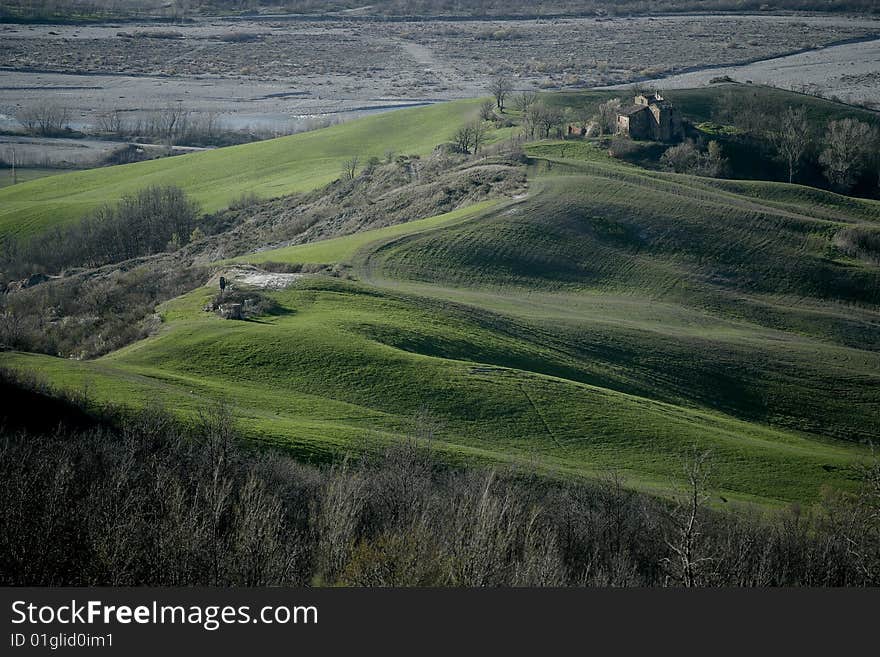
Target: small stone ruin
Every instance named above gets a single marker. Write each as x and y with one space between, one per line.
230 311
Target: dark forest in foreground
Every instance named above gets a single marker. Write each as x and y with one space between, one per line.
104 498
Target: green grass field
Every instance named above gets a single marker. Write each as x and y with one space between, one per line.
25 175
270 168
347 367
614 318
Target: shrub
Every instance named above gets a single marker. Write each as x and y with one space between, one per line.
140 224
240 37
244 201
253 304
860 242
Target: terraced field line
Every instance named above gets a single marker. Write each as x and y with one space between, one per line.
540 415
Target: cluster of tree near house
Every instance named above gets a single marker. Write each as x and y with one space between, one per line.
748 138
846 150
841 153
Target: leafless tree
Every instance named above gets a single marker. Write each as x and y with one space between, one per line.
336 521
540 120
745 110
478 135
606 117
112 123
860 524
487 111
524 100
501 88
468 138
681 158
686 157
684 537
203 126
847 148
712 162
350 167
45 119
462 139
171 123
792 137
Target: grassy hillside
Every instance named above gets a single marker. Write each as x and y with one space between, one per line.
613 318
309 160
24 175
214 178
347 366
342 250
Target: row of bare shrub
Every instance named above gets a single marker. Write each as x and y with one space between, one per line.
152 220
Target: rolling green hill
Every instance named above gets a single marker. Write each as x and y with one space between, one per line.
612 319
268 169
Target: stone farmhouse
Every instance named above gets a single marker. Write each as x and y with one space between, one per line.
651 117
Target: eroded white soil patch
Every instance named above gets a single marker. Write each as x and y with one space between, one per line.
252 277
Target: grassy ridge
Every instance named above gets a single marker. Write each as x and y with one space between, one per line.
323 375
270 168
772 314
25 175
614 318
341 250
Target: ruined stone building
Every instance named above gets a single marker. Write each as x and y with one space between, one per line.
650 117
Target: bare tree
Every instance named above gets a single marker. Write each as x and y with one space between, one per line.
686 157
462 139
46 119
863 537
540 120
501 88
529 121
204 126
684 537
524 100
791 136
681 158
487 111
470 137
171 123
336 520
745 110
847 148
350 167
713 163
606 117
478 135
112 123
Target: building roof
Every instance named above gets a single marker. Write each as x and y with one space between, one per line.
632 109
651 98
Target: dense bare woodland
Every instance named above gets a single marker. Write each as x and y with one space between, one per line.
148 501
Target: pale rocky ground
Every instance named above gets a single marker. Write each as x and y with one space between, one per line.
850 72
253 277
